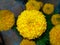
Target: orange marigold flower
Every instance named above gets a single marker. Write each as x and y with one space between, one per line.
55 35
55 19
7 20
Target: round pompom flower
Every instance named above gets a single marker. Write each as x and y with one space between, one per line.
27 42
33 5
6 20
55 19
55 35
31 24
48 8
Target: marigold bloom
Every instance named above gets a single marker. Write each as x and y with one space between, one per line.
6 20
55 19
55 35
31 24
48 8
27 42
33 5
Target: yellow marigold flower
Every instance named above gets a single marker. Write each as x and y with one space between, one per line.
55 35
48 8
33 5
55 19
31 24
27 42
6 20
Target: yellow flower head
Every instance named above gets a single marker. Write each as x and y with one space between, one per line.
31 24
6 20
55 35
27 42
55 19
48 8
33 5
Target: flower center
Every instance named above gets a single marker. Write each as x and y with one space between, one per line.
48 8
31 22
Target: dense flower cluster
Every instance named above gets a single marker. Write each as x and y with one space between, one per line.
55 35
55 19
27 42
48 8
7 20
30 5
31 24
